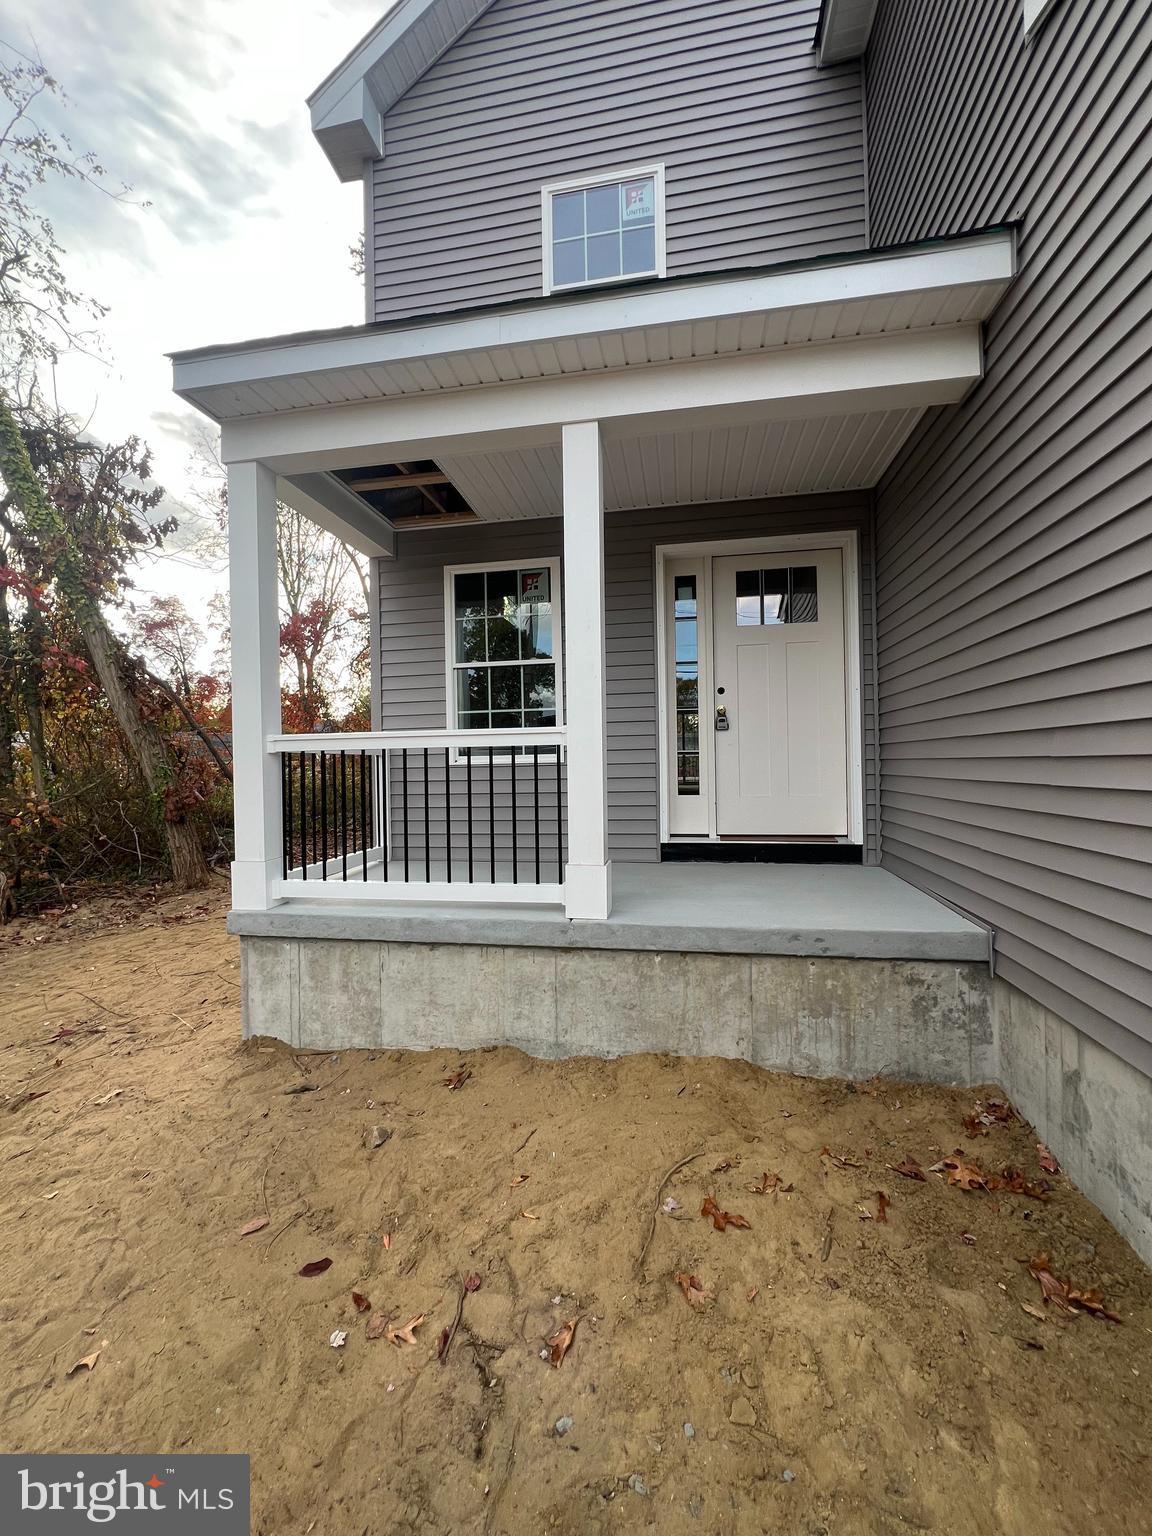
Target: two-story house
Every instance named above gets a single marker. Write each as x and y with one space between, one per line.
750 432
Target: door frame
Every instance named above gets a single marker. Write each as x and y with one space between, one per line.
848 542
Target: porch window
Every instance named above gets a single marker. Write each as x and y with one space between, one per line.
505 637
687 686
604 230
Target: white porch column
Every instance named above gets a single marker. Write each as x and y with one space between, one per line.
588 873
255 623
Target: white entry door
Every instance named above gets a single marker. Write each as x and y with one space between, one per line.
779 694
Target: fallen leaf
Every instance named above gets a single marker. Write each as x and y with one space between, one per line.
361 1302
722 1219
694 1292
458 1078
909 1169
974 1126
315 1267
727 1162
561 1341
882 1204
257 1224
386 1240
840 1162
1047 1161
753 1293
1026 1306
407 1334
963 1175
472 1283
1063 1295
770 1184
88 1362
108 1097
521 1178
442 1346
377 1324
1016 1183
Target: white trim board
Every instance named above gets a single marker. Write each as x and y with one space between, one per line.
848 542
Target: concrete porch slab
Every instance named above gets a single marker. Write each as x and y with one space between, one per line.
834 911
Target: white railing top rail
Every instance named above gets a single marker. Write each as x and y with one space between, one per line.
377 741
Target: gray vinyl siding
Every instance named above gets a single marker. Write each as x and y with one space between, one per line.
763 151
1014 532
412 646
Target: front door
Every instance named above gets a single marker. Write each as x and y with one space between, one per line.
779 694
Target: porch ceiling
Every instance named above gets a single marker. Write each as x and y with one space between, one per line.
766 458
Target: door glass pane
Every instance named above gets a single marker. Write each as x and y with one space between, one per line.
687 773
775 596
687 686
747 597
802 606
686 640
687 702
685 597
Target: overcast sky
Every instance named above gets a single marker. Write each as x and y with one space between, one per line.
199 105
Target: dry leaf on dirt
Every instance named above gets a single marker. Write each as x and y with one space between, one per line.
1016 1184
987 1114
257 1224
882 1204
361 1302
407 1334
315 1267
1026 1306
727 1162
386 1240
561 1341
108 1097
909 1169
1047 1161
377 1324
472 1283
694 1292
770 1184
722 1219
839 1162
457 1078
1063 1295
963 1175
87 1362
753 1293
521 1178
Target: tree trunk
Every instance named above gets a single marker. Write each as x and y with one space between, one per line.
147 744
7 691
31 682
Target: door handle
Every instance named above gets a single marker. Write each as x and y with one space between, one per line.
721 718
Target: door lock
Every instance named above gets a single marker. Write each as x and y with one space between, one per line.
721 718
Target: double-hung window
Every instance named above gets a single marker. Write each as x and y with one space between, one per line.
604 229
504 646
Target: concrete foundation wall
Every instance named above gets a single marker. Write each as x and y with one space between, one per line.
1093 1109
918 1019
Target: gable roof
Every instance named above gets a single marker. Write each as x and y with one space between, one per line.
349 105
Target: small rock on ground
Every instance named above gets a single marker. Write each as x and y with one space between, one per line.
742 1412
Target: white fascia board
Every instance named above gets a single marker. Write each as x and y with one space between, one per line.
331 505
984 260
898 370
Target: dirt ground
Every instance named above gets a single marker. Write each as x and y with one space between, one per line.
848 1376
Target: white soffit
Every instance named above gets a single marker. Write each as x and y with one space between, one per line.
947 283
348 107
764 458
844 30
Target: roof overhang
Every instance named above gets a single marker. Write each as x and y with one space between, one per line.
844 29
348 107
931 286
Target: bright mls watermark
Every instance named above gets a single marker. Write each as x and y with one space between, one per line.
146 1495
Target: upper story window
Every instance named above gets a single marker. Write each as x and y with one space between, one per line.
604 229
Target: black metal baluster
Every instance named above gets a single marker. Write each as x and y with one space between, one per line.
404 786
312 779
448 810
536 809
323 815
492 813
364 823
286 808
343 814
468 781
512 776
427 832
303 818
380 804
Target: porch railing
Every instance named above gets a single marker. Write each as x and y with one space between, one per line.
411 815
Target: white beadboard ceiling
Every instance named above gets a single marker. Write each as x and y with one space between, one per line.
778 458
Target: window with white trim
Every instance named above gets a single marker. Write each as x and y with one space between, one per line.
504 652
604 229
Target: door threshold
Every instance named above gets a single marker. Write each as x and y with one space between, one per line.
791 851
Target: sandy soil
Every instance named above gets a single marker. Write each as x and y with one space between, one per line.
897 1384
